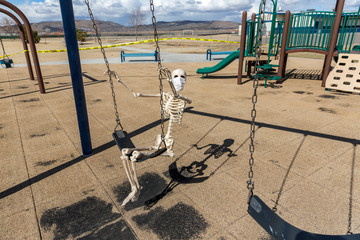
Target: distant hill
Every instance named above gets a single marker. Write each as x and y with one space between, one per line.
84 25
107 26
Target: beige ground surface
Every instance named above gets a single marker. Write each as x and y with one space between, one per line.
48 190
14 46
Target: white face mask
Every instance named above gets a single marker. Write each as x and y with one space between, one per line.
179 79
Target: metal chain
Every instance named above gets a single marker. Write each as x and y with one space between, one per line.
161 71
118 123
3 48
250 182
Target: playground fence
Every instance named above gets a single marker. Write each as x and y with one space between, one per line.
310 30
313 30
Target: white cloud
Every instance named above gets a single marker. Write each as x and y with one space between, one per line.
353 4
169 10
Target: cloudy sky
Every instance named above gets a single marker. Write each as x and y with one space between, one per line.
167 10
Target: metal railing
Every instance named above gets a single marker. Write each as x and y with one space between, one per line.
310 30
348 27
313 30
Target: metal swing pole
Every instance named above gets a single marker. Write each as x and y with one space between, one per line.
68 19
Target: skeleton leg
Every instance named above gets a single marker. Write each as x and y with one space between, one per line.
130 169
125 159
135 156
168 139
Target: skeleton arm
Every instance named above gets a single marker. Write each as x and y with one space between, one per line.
187 100
199 148
146 95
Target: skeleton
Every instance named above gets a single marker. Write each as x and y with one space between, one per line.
173 107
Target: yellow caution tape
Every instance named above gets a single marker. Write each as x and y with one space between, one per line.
8 55
132 43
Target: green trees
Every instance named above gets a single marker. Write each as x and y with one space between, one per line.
35 35
81 35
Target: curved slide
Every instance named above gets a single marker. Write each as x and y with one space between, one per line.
226 61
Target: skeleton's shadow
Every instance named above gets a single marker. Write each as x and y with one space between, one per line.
193 173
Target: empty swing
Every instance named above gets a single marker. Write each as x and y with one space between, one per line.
258 210
5 61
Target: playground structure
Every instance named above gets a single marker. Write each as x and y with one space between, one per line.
328 33
31 41
346 75
247 50
324 32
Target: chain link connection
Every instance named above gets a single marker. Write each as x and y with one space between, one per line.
250 181
117 116
3 49
161 71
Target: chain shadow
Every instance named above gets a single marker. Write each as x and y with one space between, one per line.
58 88
50 172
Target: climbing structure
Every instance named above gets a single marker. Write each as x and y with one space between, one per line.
346 74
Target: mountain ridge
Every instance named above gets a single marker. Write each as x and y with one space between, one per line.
49 27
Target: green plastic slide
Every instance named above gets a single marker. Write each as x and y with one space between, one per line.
226 61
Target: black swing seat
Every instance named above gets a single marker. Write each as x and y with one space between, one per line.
280 229
7 62
123 140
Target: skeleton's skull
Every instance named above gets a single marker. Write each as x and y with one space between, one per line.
179 79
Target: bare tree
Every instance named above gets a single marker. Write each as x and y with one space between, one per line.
137 19
9 26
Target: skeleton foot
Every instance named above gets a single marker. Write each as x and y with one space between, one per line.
133 196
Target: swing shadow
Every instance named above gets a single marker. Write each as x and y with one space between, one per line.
278 228
195 171
44 77
58 88
178 176
277 127
287 173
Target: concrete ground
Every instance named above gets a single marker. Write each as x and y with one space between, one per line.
307 139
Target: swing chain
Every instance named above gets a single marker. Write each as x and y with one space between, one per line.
250 182
3 49
117 116
161 70
156 37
